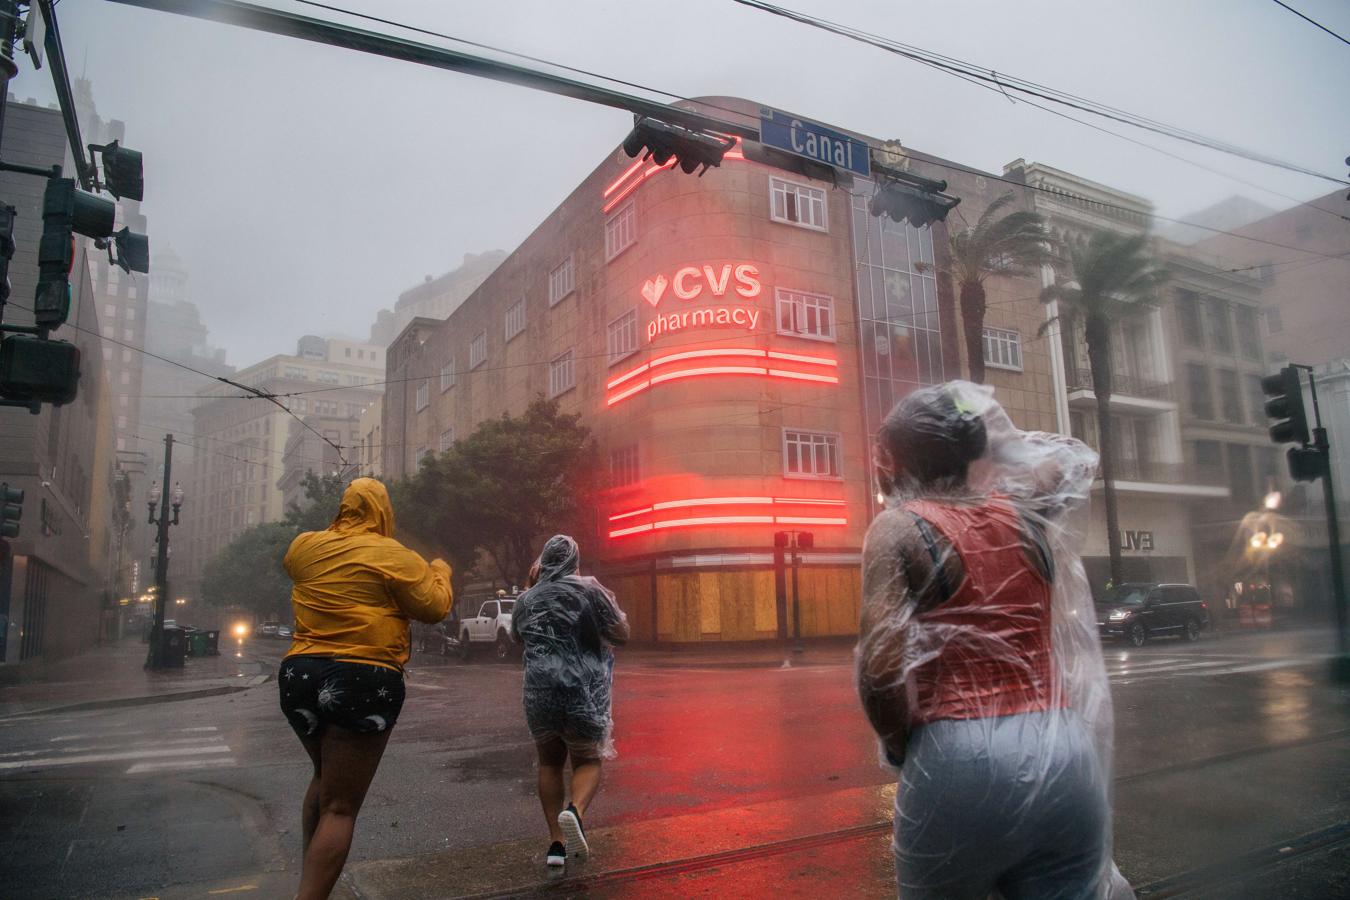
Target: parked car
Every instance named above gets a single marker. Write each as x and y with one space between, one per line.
267 630
490 628
439 639
1137 611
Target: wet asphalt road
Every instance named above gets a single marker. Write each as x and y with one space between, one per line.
1228 747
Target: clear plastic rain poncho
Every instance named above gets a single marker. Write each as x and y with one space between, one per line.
568 624
978 661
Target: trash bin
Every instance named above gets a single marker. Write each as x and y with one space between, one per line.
212 643
197 643
175 647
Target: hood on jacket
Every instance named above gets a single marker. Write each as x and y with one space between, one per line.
365 508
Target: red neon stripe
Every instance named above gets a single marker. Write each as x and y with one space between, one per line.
802 376
713 501
624 177
636 529
808 520
628 515
805 501
797 357
615 382
700 354
624 395
709 370
714 520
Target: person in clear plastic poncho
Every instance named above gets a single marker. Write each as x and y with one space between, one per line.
978 661
568 624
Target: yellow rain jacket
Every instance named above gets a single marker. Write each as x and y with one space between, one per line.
356 587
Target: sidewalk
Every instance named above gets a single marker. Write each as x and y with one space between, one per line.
114 675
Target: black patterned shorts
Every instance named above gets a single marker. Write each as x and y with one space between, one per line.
320 690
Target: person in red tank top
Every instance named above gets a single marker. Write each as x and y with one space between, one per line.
1002 783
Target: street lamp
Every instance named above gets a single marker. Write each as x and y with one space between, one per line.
1272 501
158 657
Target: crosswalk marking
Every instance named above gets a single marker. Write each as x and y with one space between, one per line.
143 753
112 734
181 764
15 754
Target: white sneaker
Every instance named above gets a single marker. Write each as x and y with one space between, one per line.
569 820
557 855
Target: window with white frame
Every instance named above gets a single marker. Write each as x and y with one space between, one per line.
478 350
562 280
447 438
422 396
797 204
810 454
420 455
622 339
562 374
515 318
623 466
448 374
805 315
620 230
1002 349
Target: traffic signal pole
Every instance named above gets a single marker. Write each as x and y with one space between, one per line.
157 657
1341 665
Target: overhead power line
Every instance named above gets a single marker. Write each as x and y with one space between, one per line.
1004 83
1312 21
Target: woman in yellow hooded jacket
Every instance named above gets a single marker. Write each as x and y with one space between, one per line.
356 588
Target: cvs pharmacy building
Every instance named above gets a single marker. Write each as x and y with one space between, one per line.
731 341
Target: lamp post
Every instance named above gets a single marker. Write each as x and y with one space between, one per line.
164 500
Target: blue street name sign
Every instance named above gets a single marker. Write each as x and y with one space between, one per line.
813 141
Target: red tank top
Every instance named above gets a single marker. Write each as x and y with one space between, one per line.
989 642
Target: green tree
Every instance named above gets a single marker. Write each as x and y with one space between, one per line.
248 572
513 481
1013 244
1114 277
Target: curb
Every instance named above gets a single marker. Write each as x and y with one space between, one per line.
146 700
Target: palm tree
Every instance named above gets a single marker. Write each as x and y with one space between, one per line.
1013 244
1114 277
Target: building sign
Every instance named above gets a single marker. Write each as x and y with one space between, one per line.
689 283
813 141
1141 541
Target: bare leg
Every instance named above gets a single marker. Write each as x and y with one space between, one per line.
585 782
349 764
552 759
309 811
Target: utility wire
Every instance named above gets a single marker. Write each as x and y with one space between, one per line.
1022 86
1312 21
997 87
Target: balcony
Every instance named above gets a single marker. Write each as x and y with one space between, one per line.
1138 476
1128 393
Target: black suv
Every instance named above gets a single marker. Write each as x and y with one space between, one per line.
1137 611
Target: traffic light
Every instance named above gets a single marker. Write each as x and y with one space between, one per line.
38 370
66 212
690 149
11 510
1284 391
6 249
1306 463
904 202
123 171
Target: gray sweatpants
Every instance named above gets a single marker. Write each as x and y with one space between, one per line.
1014 804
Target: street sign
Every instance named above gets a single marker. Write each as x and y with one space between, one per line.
813 141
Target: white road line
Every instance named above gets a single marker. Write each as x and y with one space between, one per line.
111 757
214 763
1229 670
108 734
1147 668
112 746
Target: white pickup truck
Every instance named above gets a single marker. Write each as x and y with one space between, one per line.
491 627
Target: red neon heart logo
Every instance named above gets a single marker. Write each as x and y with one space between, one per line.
654 290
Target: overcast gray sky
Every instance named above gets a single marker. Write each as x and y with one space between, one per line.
306 186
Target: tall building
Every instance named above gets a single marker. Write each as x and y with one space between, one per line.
1157 487
732 342
241 442
55 592
1306 289
435 298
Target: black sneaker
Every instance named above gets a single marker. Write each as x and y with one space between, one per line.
557 854
569 820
